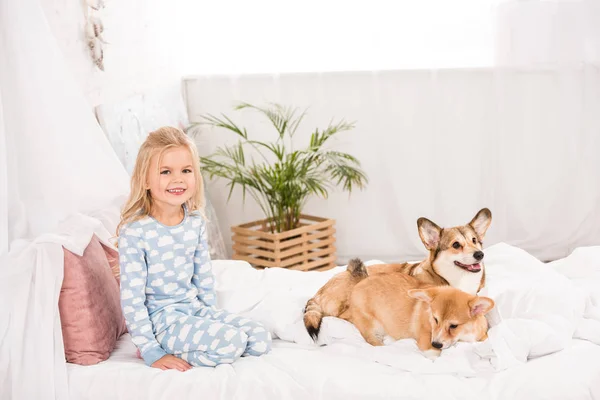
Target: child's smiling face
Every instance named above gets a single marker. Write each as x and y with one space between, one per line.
173 181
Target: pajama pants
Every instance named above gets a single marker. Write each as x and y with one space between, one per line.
211 337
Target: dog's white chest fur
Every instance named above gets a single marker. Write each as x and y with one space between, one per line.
457 277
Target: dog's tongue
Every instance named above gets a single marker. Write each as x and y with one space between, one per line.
474 267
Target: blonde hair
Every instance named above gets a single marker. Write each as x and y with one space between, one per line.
139 203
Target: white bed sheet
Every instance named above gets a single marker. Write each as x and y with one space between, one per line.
535 349
293 371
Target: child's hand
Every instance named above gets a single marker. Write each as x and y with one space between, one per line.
171 362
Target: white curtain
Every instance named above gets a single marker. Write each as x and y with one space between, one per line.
3 186
60 182
439 144
389 35
273 36
549 34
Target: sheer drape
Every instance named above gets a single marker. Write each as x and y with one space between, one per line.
391 35
60 183
549 34
440 144
3 185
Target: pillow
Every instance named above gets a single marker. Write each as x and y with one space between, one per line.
89 306
216 245
112 256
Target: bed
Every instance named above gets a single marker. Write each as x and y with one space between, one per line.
292 371
544 344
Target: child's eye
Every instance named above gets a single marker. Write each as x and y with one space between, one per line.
187 170
165 172
453 326
456 245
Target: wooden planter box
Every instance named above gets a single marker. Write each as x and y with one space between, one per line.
309 247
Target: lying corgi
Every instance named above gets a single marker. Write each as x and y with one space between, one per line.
455 258
399 306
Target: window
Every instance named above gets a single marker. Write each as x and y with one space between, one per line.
277 36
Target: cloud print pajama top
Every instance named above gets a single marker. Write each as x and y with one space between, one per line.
168 297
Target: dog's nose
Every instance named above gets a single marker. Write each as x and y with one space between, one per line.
437 345
478 255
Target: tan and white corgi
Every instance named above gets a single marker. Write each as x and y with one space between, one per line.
399 306
455 258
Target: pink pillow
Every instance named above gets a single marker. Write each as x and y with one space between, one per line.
112 256
89 305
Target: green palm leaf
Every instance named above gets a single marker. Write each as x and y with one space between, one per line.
282 187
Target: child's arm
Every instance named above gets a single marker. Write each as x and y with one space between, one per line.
203 277
134 271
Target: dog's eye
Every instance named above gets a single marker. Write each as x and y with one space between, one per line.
436 321
453 326
456 245
474 241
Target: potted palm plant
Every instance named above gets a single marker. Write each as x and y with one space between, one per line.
281 180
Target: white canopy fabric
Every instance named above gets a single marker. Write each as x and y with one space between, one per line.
57 171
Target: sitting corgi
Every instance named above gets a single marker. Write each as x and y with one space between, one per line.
398 306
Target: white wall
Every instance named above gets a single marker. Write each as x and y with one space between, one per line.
147 44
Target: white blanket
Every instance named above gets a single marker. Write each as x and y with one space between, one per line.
539 309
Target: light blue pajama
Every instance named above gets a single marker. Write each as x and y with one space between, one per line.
168 297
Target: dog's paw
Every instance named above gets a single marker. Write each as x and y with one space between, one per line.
432 354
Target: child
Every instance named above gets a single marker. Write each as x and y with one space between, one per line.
167 285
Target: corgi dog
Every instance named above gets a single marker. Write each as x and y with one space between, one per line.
399 306
455 258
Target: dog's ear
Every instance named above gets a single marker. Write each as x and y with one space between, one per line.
421 294
481 222
429 233
480 306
